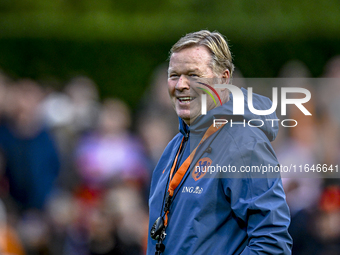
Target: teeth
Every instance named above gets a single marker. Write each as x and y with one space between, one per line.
185 98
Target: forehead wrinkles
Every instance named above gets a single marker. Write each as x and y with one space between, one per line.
193 57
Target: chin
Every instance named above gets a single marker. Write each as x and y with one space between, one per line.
186 118
188 115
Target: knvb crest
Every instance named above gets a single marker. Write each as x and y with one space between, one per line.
201 168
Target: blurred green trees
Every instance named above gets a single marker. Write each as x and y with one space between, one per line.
119 43
153 20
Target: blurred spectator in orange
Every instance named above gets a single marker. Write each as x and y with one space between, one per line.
9 240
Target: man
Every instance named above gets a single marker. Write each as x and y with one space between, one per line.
235 214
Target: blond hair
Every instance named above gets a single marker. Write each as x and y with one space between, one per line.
221 58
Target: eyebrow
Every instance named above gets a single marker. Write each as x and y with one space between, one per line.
188 71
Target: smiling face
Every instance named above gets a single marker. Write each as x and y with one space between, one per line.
187 66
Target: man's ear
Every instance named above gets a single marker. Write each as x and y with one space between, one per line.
225 77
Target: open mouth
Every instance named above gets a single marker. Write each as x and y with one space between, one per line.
185 99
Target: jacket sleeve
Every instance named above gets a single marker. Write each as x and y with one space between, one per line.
258 200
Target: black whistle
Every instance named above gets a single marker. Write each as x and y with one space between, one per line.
157 229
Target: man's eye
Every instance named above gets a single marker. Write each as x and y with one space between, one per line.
173 76
193 75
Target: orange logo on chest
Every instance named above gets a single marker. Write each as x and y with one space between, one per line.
201 168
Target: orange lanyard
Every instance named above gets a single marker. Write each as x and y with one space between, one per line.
176 180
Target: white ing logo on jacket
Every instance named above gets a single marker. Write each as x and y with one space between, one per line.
194 190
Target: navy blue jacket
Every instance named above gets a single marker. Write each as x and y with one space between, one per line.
236 213
32 166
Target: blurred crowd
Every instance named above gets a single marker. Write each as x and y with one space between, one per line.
74 177
313 198
75 170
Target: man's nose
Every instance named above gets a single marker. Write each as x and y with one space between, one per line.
183 83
